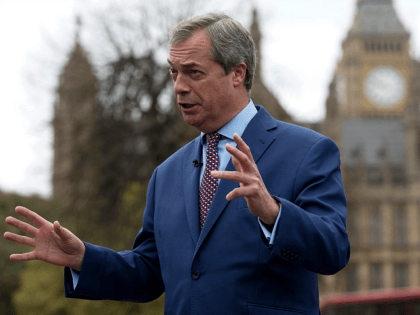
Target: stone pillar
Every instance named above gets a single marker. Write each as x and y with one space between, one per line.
388 267
414 273
387 216
388 274
413 217
364 275
364 225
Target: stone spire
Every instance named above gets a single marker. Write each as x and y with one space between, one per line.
261 95
256 36
78 73
78 28
73 123
378 18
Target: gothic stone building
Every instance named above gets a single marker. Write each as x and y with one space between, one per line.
373 116
75 170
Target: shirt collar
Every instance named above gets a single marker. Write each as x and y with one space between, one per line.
237 124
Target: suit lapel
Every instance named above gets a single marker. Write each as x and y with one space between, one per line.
191 176
256 136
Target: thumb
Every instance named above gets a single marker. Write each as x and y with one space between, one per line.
63 233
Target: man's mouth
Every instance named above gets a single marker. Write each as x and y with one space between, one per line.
186 105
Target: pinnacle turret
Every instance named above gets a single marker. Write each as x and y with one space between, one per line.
376 17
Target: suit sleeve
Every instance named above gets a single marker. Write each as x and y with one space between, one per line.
312 228
126 276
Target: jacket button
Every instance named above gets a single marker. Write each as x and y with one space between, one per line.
195 275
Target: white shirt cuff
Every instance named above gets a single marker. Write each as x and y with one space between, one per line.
269 235
75 275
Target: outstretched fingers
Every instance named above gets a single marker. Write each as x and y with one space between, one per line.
241 156
19 239
23 257
242 191
243 146
32 216
236 164
238 177
23 226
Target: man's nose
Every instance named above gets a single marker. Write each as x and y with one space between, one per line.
181 85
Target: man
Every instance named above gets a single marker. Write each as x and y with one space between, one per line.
239 221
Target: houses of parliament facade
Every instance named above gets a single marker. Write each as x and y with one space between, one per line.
373 114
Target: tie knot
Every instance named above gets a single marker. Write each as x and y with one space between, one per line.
213 139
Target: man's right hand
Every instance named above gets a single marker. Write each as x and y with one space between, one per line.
51 242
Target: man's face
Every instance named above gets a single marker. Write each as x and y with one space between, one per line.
203 93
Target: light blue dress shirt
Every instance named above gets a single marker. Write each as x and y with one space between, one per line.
237 125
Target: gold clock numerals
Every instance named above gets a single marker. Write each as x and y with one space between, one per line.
384 87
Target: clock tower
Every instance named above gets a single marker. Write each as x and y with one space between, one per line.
373 115
373 76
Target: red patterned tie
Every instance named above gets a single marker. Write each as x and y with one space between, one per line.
208 183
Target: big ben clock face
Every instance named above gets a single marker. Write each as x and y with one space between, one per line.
384 87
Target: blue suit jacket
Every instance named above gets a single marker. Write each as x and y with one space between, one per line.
228 268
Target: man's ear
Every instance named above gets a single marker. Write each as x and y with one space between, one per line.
239 73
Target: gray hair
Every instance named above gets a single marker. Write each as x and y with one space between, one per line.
231 43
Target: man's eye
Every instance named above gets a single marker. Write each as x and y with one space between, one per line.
196 72
173 74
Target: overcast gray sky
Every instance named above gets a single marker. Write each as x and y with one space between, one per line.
301 46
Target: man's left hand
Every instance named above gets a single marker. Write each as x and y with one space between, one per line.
251 186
